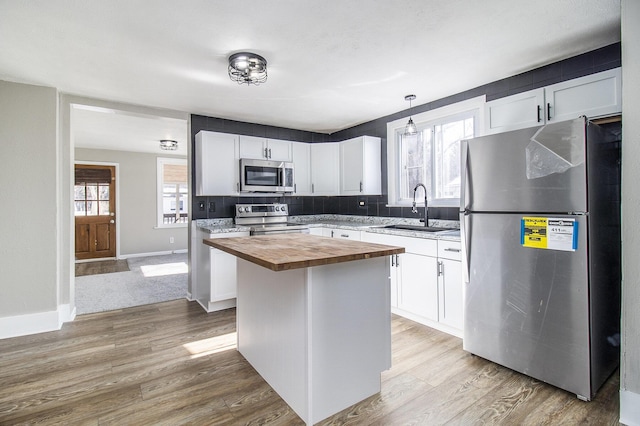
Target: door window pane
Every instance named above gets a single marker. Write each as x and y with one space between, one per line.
104 193
78 192
80 208
92 192
103 208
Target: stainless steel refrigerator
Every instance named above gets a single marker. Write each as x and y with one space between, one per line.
540 229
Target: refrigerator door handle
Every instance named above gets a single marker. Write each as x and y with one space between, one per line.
465 244
464 152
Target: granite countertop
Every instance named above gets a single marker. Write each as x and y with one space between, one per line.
217 226
281 252
358 223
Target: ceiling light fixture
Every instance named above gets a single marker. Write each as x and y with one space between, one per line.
410 129
247 68
168 145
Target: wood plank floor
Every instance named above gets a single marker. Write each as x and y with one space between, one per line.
171 363
101 267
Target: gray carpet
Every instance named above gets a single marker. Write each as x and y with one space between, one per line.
149 280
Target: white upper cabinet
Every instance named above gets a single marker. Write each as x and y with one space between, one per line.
594 95
302 168
325 168
217 166
265 149
515 112
360 171
279 150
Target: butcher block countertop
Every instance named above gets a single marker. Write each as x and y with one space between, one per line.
281 252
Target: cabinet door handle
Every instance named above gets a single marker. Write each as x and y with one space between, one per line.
313 189
539 111
238 186
548 111
344 235
295 187
266 153
269 152
397 260
360 186
452 249
392 260
440 268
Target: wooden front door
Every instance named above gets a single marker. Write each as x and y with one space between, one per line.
95 207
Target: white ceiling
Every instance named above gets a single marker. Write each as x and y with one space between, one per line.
332 64
102 128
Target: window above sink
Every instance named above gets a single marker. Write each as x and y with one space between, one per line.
432 156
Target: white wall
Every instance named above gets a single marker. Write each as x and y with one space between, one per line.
137 198
29 216
630 357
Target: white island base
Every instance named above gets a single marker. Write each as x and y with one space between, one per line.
321 335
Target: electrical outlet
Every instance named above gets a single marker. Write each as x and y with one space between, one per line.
361 203
212 206
171 240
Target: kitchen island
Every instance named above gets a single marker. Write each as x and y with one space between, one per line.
314 317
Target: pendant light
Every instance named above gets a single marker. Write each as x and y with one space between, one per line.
410 129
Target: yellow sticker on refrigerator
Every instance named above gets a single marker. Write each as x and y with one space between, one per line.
549 233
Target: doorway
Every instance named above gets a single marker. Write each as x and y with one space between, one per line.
95 211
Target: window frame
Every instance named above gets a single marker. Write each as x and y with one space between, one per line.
161 161
473 105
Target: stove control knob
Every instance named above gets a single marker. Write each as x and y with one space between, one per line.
240 209
277 208
283 208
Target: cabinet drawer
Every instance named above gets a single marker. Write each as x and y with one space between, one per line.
422 246
449 250
228 235
346 234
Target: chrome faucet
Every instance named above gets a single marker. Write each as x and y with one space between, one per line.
426 208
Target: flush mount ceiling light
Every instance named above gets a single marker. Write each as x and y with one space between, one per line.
410 129
247 68
168 145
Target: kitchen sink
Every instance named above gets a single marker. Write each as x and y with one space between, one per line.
418 228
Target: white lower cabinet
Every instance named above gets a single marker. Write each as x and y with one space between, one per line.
451 298
223 275
450 286
214 278
426 281
417 288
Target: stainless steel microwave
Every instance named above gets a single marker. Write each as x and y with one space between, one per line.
265 176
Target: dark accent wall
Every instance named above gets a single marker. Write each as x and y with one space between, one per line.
598 60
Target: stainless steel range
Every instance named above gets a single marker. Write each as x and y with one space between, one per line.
267 219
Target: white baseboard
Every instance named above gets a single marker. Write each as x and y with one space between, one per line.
629 408
66 314
40 322
153 253
22 325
